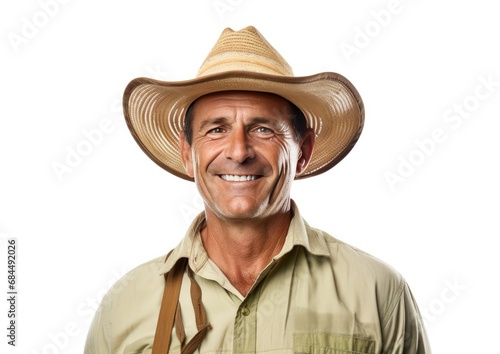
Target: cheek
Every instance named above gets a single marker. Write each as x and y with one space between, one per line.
194 162
286 155
204 156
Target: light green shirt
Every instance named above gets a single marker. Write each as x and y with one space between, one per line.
318 295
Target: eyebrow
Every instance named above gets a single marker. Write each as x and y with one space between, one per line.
214 121
224 120
261 120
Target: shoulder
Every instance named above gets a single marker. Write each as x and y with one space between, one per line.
143 273
143 279
345 259
129 310
361 270
142 282
364 282
344 254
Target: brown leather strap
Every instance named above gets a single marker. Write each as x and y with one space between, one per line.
170 312
201 317
195 342
173 280
179 326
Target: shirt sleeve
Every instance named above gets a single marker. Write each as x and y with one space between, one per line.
403 331
98 337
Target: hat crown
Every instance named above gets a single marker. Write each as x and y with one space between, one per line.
244 50
244 61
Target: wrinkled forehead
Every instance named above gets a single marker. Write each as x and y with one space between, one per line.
260 103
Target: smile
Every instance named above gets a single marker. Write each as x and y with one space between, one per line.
236 178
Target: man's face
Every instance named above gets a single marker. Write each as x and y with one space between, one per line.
244 154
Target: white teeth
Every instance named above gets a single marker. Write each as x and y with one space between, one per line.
238 178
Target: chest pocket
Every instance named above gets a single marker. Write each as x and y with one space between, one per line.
141 346
318 343
145 346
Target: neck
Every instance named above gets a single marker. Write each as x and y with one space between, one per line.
243 248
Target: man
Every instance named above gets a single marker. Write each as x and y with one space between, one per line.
251 275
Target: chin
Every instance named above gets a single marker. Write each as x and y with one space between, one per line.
241 210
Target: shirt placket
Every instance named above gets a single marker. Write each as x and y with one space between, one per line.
245 326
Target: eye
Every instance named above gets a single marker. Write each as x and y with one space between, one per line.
217 130
215 133
264 132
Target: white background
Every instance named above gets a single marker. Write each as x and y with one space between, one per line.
416 64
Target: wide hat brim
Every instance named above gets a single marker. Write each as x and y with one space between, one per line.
155 111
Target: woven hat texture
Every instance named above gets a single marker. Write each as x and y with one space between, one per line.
245 61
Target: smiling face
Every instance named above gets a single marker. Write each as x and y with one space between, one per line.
244 154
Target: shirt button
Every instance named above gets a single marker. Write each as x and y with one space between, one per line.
245 311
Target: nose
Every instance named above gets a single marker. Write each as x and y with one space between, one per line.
239 148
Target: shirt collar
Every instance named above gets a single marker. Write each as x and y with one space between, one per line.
299 234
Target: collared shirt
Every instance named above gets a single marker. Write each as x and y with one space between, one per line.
318 295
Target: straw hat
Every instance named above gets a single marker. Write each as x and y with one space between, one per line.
245 61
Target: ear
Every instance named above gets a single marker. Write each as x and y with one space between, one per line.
305 152
187 158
